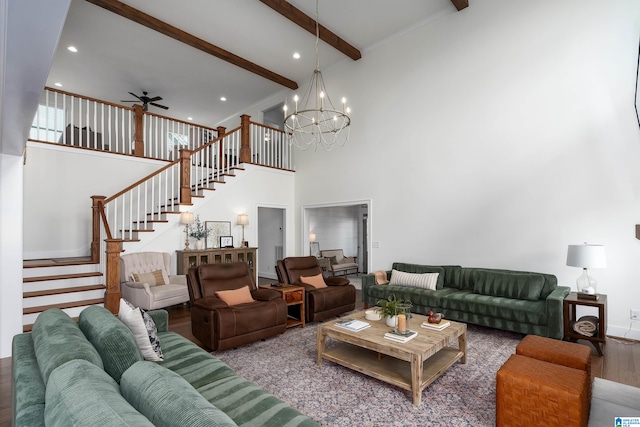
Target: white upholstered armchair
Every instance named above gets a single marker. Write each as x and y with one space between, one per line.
146 283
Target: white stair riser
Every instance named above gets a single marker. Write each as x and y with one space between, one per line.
57 271
29 319
62 298
63 283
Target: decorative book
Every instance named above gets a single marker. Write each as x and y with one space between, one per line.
394 336
436 326
353 325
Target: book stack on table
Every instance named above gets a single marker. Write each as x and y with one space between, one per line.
352 325
435 326
398 337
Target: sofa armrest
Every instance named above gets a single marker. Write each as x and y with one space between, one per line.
160 318
137 285
180 279
336 281
555 318
368 280
349 259
209 303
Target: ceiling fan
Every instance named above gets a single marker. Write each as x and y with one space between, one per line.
147 100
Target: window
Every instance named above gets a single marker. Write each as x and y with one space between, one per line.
48 124
176 140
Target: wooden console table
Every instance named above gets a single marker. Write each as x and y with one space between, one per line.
189 259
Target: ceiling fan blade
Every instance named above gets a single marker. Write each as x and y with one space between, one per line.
135 96
128 100
155 98
159 106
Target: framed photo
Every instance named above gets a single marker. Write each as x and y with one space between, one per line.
315 249
218 228
226 241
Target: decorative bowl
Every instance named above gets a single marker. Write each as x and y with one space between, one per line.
372 315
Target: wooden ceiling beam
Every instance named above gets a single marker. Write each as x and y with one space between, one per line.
149 21
303 20
460 4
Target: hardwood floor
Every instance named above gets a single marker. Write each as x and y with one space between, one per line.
620 363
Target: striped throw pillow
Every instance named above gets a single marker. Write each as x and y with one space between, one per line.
154 278
416 280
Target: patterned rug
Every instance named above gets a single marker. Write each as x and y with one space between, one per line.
335 396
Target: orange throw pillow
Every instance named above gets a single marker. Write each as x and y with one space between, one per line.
315 281
236 296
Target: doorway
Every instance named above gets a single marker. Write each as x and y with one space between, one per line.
271 238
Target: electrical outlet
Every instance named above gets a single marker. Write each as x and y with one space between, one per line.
635 314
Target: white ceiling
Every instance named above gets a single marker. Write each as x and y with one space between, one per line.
116 56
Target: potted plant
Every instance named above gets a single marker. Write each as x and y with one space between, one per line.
389 307
198 231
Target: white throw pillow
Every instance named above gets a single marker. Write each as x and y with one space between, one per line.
416 280
132 317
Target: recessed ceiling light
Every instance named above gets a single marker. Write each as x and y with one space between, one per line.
222 98
296 55
189 118
57 84
72 49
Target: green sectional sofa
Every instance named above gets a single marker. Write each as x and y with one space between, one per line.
519 301
91 373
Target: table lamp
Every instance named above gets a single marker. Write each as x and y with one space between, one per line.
586 256
187 219
243 219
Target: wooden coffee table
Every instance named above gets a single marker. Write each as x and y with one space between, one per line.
412 365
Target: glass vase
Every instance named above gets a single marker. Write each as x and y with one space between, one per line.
403 315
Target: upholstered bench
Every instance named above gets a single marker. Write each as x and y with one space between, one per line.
532 392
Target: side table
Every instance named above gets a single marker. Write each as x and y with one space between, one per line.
569 306
294 297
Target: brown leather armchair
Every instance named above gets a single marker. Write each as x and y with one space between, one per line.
338 297
219 326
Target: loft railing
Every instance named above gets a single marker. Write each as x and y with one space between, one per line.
79 121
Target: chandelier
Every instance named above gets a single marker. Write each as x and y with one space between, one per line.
315 121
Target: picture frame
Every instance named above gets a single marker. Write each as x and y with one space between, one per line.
226 241
218 228
314 248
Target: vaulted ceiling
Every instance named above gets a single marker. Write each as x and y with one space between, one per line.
193 52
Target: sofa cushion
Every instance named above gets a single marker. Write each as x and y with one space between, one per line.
415 280
422 300
191 362
524 286
58 339
113 340
516 310
81 394
167 399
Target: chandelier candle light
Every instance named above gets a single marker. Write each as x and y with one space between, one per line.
586 256
314 121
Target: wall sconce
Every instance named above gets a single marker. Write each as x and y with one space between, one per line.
187 219
243 219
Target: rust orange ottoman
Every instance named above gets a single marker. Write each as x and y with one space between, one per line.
559 352
532 392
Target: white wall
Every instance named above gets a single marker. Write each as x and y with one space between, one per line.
496 137
336 227
59 181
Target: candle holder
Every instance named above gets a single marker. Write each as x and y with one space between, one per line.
403 316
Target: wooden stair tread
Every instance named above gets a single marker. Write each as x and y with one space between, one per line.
60 277
40 309
62 291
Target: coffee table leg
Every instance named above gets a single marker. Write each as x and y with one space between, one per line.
462 343
416 379
320 340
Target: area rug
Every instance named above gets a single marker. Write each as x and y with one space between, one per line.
335 396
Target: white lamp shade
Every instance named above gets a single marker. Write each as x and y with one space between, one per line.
243 219
187 218
312 237
586 256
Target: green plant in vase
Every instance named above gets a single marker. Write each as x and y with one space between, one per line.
199 232
388 308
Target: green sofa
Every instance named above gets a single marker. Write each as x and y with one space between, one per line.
91 373
518 301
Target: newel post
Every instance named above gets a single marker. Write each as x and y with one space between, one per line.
245 146
185 176
112 294
96 209
221 132
138 147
